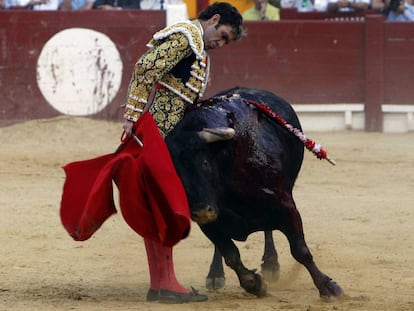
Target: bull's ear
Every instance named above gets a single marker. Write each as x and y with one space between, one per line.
210 135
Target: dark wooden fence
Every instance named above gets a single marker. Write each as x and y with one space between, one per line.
306 61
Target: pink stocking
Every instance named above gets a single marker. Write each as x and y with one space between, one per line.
152 265
166 274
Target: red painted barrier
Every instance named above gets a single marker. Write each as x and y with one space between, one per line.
304 61
23 35
374 72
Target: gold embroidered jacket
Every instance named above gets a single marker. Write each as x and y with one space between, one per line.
176 60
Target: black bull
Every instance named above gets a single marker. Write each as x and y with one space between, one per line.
238 168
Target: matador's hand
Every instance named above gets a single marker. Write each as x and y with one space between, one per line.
128 126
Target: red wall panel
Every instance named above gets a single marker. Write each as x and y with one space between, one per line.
24 33
304 61
399 63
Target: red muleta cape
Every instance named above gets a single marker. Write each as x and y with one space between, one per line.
151 196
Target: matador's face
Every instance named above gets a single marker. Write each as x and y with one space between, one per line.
217 35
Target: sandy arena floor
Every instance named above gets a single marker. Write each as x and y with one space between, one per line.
358 218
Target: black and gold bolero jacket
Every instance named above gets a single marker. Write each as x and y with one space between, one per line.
176 60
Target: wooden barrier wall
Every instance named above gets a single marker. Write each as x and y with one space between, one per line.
304 61
23 35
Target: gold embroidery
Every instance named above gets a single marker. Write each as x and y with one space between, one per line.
132 112
190 32
193 32
167 110
167 48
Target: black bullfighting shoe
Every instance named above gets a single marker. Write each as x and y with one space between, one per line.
167 296
152 295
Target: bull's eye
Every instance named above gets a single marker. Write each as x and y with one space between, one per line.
206 166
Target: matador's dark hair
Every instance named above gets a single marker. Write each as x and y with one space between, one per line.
228 16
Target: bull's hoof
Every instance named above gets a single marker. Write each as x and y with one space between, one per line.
254 284
214 283
330 289
270 274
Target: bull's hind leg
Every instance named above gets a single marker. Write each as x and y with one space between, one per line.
270 260
293 230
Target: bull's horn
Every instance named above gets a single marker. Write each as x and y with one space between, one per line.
211 135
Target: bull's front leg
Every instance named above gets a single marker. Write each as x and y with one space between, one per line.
215 278
250 281
270 265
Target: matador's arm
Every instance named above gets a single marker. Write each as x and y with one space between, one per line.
150 68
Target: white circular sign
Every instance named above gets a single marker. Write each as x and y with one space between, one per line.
79 71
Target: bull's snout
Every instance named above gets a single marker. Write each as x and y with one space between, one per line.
204 215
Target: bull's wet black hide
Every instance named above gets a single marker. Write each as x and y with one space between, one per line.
246 182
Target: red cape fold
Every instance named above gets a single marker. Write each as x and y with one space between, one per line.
151 196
